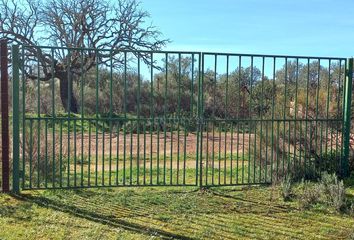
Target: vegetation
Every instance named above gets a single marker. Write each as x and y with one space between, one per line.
259 121
160 213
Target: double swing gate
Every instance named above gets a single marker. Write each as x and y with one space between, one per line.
95 117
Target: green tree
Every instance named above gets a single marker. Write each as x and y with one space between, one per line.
100 24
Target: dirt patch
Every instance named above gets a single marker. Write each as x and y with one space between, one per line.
117 144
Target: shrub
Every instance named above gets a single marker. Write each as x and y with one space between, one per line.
329 191
309 195
286 188
333 191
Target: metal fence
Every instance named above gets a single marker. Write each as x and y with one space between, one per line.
95 118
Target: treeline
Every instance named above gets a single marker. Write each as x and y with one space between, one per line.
297 88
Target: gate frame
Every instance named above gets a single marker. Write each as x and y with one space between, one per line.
200 120
5 143
15 119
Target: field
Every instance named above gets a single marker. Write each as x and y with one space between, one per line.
166 213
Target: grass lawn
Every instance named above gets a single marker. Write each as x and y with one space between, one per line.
167 212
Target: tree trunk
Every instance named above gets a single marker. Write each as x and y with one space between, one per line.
65 94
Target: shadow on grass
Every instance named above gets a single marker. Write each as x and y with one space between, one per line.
256 202
80 211
181 214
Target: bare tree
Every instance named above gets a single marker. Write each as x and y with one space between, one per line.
71 24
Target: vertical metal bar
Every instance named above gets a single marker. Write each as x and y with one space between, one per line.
343 100
347 117
295 113
46 151
53 119
75 158
238 123
68 119
255 149
165 119
39 121
117 161
172 122
277 151
131 153
237 150
186 125
219 153
23 120
231 152
82 115
138 121
89 156
249 125
339 117
125 117
207 157
110 113
261 128
31 154
213 119
266 152
61 152
178 115
289 126
192 88
327 109
144 130
306 113
316 116
5 147
152 119
15 118
158 150
284 154
200 121
272 137
96 116
103 152
226 119
243 152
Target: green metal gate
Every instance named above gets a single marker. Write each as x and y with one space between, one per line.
83 118
270 116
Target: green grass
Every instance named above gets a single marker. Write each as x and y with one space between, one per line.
165 212
128 173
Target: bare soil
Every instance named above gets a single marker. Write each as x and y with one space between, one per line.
106 144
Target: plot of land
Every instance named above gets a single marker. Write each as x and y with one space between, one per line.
112 143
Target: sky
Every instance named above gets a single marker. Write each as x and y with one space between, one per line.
283 27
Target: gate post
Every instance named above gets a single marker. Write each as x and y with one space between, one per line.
5 146
15 119
347 117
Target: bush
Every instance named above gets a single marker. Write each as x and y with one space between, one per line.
329 190
309 195
286 188
333 191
